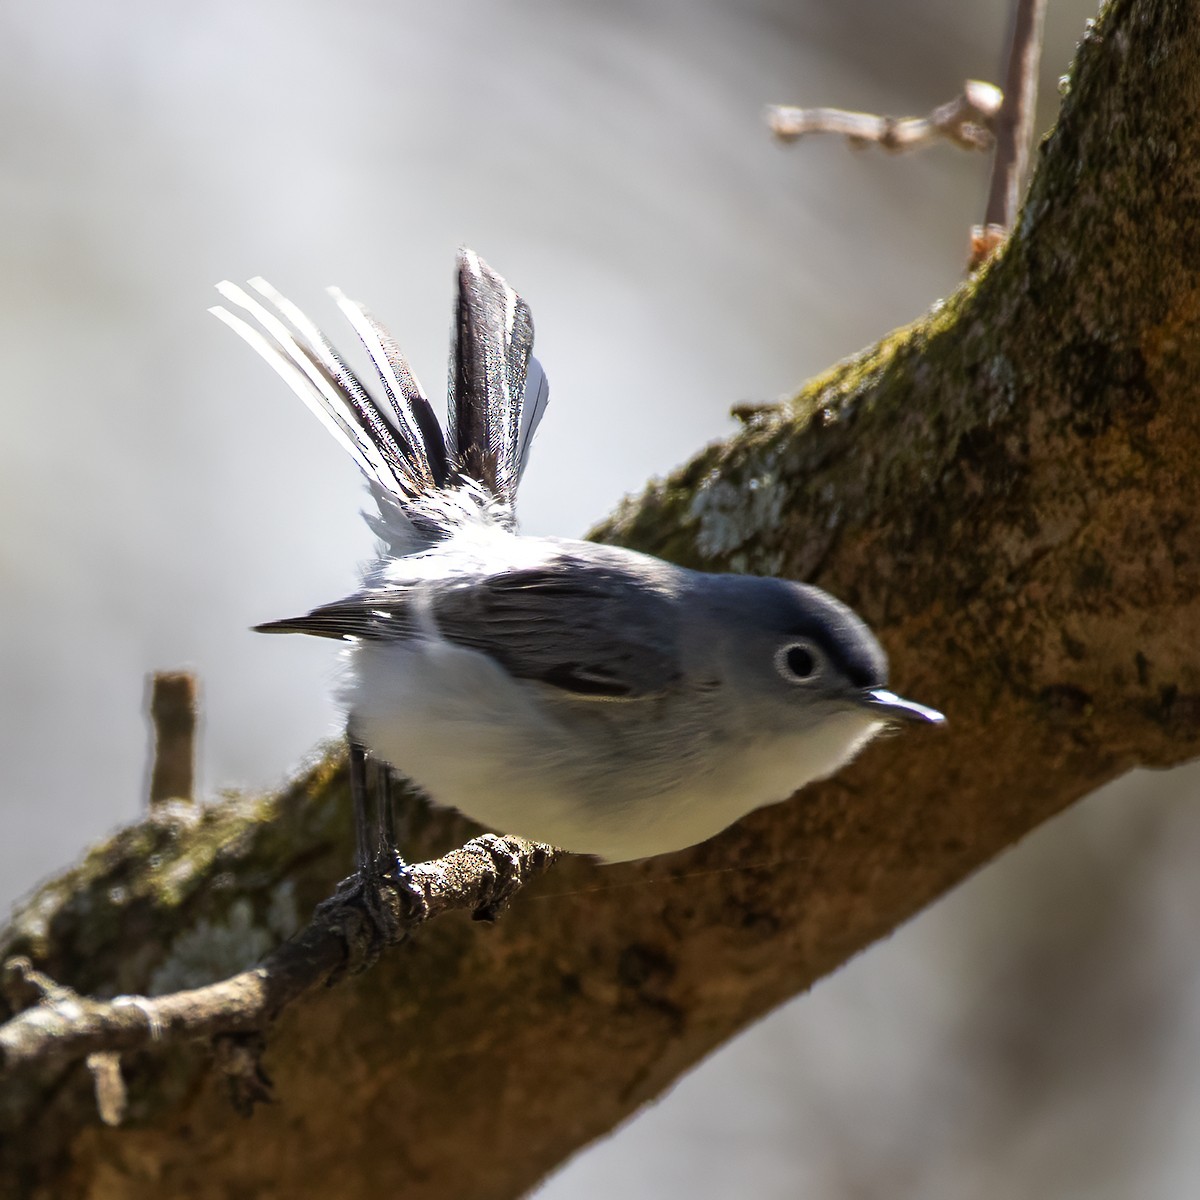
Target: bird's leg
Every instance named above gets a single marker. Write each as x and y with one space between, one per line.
375 853
378 886
361 801
388 860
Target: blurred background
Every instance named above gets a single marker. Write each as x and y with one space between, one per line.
1035 1033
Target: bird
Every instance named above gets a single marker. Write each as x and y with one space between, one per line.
592 697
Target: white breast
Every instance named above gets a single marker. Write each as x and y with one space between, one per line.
619 780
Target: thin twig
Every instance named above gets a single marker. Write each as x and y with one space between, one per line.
967 121
23 986
344 937
1014 123
173 714
111 1097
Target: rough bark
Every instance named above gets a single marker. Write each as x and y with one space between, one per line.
1007 491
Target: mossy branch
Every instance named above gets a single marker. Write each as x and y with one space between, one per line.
54 1025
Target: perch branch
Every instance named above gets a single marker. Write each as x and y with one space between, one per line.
54 1026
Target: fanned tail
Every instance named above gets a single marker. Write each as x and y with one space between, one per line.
498 393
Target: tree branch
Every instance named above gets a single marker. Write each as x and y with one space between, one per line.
58 1026
1014 121
968 121
1006 490
1013 129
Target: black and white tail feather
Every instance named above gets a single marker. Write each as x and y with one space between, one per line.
425 485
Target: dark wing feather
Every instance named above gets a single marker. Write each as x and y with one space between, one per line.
592 631
364 615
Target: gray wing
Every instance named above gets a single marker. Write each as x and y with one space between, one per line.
589 630
592 631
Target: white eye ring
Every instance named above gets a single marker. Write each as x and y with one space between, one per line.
799 662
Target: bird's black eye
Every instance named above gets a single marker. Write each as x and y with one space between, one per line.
798 662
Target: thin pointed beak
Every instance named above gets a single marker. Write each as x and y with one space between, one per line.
891 707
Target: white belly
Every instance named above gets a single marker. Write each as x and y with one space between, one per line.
617 779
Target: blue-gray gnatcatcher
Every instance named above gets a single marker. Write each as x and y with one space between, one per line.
595 698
